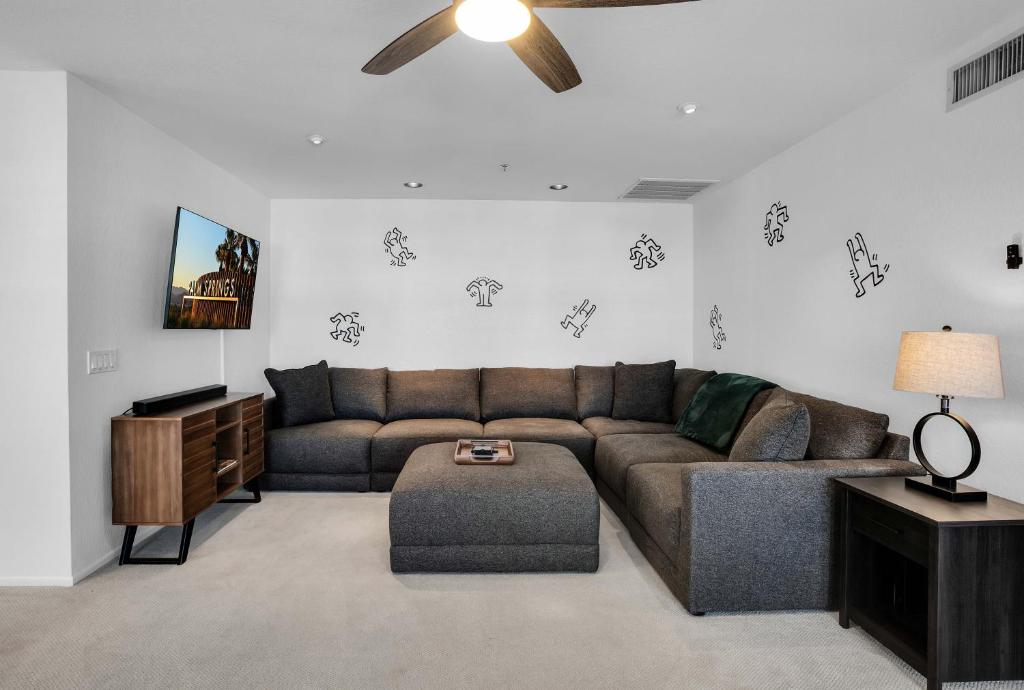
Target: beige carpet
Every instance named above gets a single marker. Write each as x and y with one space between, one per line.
296 592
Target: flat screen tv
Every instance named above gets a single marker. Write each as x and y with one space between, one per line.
212 277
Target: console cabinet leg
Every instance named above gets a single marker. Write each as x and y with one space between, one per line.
254 487
128 543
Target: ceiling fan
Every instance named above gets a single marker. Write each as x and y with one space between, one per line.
511 21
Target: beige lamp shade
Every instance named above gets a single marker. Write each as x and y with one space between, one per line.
949 363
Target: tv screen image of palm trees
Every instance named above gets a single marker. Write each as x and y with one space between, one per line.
214 275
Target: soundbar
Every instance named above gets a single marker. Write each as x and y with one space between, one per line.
163 403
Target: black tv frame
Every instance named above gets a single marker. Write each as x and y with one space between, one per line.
170 274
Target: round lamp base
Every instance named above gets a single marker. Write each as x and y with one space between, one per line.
941 485
958 494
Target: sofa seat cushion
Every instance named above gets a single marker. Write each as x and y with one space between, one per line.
394 442
340 446
606 426
562 432
617 453
519 392
655 500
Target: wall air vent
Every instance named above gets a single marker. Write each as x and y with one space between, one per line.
654 189
994 67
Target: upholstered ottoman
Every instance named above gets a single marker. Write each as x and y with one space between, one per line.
539 514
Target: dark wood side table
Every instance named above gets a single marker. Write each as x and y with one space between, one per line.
941 584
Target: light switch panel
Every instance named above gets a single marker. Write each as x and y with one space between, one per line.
101 361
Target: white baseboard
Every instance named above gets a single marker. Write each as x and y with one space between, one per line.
141 537
36 581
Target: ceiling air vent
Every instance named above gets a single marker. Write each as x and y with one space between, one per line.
654 189
994 67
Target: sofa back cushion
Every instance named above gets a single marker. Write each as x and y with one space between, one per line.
644 391
688 382
435 394
303 395
595 391
841 432
359 393
516 392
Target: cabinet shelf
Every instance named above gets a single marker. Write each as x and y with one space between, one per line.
224 490
226 465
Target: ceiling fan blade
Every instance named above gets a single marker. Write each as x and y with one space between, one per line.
583 4
413 43
544 55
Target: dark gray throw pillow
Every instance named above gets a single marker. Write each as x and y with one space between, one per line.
303 395
644 391
780 431
359 393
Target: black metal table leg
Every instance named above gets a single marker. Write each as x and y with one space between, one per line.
254 487
129 541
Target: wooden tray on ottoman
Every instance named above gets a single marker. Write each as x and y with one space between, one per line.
463 452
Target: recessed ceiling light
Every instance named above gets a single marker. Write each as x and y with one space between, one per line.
558 187
688 109
316 139
413 185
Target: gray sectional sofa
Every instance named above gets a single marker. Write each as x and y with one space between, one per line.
725 535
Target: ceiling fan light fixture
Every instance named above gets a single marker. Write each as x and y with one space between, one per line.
493 21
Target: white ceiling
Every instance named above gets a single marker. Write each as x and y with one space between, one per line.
244 81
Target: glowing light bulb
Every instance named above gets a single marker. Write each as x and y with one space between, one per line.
493 20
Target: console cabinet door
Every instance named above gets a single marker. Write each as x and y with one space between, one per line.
252 437
199 463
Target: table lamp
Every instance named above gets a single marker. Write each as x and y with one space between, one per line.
948 365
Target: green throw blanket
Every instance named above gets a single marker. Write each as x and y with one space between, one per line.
717 409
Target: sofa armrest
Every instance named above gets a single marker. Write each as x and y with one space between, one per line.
761 535
271 417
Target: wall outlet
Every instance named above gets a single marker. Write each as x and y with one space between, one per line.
101 361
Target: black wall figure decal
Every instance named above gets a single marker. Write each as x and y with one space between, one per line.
347 328
716 328
774 220
483 289
579 317
865 265
394 244
646 253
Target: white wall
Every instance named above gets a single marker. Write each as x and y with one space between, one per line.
126 179
937 196
329 257
34 485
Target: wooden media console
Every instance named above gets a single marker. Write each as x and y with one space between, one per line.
169 467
